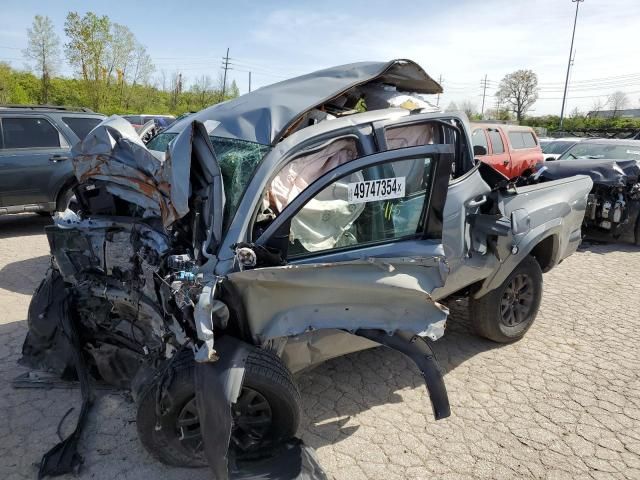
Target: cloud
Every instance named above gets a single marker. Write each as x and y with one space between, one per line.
463 41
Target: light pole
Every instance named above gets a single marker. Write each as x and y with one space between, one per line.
566 81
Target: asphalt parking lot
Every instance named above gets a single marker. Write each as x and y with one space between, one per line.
562 403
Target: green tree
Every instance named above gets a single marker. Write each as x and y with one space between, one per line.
87 51
234 91
43 52
519 91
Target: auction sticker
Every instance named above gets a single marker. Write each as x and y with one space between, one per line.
373 190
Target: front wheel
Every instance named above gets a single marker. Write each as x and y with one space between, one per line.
505 314
66 199
266 412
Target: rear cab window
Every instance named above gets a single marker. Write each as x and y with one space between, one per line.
522 139
133 119
30 132
516 140
496 141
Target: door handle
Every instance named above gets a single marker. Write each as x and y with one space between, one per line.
477 202
505 162
58 158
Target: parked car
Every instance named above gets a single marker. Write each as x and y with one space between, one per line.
613 206
139 121
512 150
36 174
274 236
600 148
552 149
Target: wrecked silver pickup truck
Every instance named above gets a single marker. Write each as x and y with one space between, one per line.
269 233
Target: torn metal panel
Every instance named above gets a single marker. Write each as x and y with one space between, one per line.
114 153
217 386
290 300
46 347
312 348
418 350
293 460
63 457
603 172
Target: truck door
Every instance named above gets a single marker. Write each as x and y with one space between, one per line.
500 157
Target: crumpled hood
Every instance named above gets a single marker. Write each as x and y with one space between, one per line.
602 171
161 184
265 115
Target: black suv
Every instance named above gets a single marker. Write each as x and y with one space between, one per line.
36 174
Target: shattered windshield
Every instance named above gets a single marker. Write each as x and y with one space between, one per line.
237 158
602 150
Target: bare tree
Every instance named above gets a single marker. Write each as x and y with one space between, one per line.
617 101
468 107
203 91
452 107
43 51
576 113
596 106
163 80
175 86
519 90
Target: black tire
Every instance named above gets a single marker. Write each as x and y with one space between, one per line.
266 378
505 314
66 200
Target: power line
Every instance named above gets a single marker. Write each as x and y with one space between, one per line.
587 96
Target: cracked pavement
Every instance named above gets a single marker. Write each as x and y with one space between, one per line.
564 402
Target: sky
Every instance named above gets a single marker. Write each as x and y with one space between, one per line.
459 41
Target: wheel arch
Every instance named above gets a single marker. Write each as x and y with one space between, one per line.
66 185
546 251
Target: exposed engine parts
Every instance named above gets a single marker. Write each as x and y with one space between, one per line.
606 209
613 205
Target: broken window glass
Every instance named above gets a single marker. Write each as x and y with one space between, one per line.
238 160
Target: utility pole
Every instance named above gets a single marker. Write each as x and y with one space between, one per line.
483 83
249 82
566 81
225 65
438 98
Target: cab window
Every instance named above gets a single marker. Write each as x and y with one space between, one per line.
377 204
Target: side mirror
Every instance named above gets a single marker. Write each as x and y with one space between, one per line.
520 222
479 150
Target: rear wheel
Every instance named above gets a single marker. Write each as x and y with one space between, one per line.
506 313
267 411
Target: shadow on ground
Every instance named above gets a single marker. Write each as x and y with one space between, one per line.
603 248
374 377
22 225
19 276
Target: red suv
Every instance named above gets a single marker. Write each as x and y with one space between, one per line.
510 149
